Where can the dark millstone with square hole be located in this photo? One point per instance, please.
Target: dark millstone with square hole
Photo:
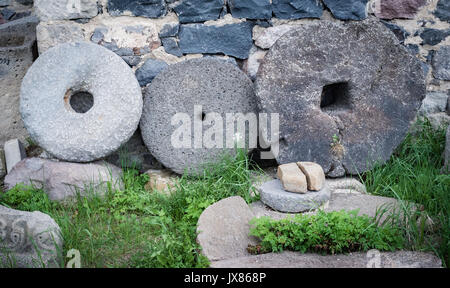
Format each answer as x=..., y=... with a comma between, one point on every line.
x=345, y=92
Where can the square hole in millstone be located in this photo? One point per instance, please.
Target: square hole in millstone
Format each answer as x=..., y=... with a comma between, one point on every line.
x=335, y=97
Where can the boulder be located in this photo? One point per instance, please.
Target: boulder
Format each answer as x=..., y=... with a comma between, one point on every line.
x=230, y=39
x=147, y=72
x=14, y=153
x=180, y=106
x=75, y=74
x=314, y=175
x=443, y=10
x=434, y=102
x=62, y=180
x=29, y=240
x=273, y=195
x=297, y=9
x=223, y=229
x=288, y=259
x=292, y=178
x=354, y=105
x=189, y=11
x=392, y=9
x=149, y=9
x=47, y=10
x=347, y=9
x=441, y=63
x=251, y=9
x=17, y=53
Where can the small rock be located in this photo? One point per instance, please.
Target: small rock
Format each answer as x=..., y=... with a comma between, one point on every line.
x=443, y=10
x=149, y=9
x=269, y=36
x=4, y=3
x=147, y=72
x=347, y=9
x=62, y=180
x=189, y=11
x=273, y=195
x=288, y=259
x=391, y=9
x=314, y=175
x=29, y=240
x=8, y=13
x=169, y=30
x=223, y=229
x=14, y=153
x=439, y=120
x=441, y=63
x=2, y=164
x=255, y=58
x=160, y=180
x=297, y=9
x=432, y=36
x=292, y=178
x=400, y=32
x=230, y=39
x=132, y=60
x=346, y=185
x=434, y=102
x=251, y=9
x=47, y=10
x=171, y=46
x=446, y=168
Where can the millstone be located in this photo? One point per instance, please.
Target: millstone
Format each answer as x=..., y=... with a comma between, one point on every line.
x=219, y=87
x=273, y=195
x=346, y=93
x=80, y=102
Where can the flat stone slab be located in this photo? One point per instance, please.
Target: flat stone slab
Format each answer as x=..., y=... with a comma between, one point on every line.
x=29, y=240
x=173, y=128
x=274, y=196
x=14, y=153
x=80, y=102
x=63, y=180
x=345, y=92
x=287, y=259
x=223, y=229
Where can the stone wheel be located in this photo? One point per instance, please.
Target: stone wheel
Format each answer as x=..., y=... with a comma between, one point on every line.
x=219, y=87
x=346, y=94
x=80, y=102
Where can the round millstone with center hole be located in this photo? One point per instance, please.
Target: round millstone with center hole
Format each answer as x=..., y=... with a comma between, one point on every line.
x=183, y=104
x=80, y=102
x=346, y=94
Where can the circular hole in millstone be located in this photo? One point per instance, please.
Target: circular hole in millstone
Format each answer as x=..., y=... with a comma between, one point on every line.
x=81, y=101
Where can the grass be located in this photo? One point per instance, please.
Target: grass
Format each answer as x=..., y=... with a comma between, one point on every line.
x=413, y=174
x=132, y=227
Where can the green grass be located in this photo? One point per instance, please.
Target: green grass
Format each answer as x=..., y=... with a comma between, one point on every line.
x=133, y=227
x=326, y=233
x=414, y=174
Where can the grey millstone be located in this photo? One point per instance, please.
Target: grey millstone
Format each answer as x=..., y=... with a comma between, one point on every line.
x=17, y=39
x=62, y=180
x=216, y=85
x=273, y=195
x=288, y=9
x=147, y=72
x=65, y=9
x=441, y=63
x=366, y=95
x=347, y=9
x=29, y=240
x=230, y=39
x=443, y=10
x=287, y=259
x=434, y=102
x=80, y=67
x=223, y=229
x=446, y=168
x=251, y=9
x=148, y=8
x=189, y=11
x=432, y=36
x=171, y=46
